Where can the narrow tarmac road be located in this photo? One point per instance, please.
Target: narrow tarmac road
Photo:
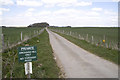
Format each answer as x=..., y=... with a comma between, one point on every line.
x=79, y=63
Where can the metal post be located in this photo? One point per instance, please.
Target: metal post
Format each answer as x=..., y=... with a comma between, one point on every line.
x=28, y=67
x=28, y=75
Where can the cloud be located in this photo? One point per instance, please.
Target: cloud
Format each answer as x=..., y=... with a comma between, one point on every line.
x=75, y=4
x=60, y=3
x=115, y=0
x=110, y=12
x=64, y=17
x=64, y=3
x=0, y=20
x=1, y=13
x=52, y=3
x=33, y=3
x=44, y=13
x=84, y=4
x=57, y=1
x=67, y=12
x=97, y=9
x=3, y=9
x=31, y=9
x=76, y=17
x=6, y=2
x=29, y=12
x=93, y=13
x=73, y=16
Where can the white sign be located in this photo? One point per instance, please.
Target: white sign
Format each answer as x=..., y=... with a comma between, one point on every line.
x=28, y=68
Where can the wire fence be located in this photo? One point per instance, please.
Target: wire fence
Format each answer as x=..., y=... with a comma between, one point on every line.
x=103, y=41
x=19, y=39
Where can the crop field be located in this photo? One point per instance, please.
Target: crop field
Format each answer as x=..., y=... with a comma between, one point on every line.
x=44, y=67
x=13, y=35
x=93, y=35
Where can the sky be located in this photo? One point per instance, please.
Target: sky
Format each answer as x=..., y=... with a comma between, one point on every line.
x=75, y=13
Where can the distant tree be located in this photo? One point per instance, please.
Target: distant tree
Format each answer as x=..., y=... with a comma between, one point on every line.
x=3, y=26
x=42, y=24
x=68, y=26
x=30, y=25
x=53, y=26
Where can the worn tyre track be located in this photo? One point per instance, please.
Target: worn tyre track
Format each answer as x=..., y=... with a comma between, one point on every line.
x=79, y=63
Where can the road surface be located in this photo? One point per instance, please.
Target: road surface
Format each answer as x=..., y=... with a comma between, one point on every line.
x=79, y=63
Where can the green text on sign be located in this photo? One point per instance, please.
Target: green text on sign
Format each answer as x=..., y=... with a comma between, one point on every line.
x=27, y=53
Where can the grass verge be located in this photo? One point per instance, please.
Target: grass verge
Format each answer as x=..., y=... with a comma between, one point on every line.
x=106, y=53
x=44, y=67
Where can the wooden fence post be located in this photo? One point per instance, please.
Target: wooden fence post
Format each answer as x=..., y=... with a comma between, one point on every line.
x=2, y=37
x=87, y=38
x=70, y=32
x=34, y=32
x=104, y=37
x=79, y=36
x=21, y=36
x=92, y=40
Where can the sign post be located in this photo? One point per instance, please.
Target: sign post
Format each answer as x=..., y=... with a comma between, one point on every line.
x=28, y=69
x=27, y=54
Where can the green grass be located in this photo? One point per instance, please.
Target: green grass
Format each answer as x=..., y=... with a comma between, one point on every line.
x=13, y=34
x=48, y=69
x=0, y=65
x=98, y=33
x=106, y=53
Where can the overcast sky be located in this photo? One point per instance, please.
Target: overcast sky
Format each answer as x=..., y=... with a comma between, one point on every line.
x=76, y=13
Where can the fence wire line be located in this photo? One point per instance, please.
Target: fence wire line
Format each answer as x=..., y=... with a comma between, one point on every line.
x=89, y=39
x=8, y=45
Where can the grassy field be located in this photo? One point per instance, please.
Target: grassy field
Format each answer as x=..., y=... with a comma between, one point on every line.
x=44, y=67
x=106, y=53
x=0, y=66
x=13, y=35
x=93, y=35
